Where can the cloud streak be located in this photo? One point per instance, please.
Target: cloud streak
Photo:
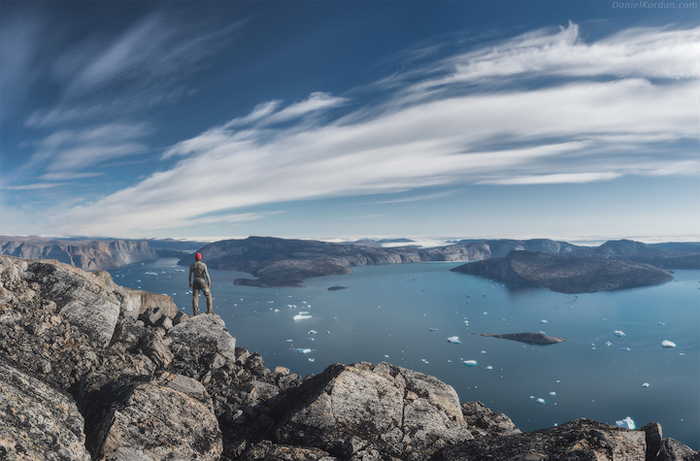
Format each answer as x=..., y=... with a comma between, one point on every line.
x=618, y=94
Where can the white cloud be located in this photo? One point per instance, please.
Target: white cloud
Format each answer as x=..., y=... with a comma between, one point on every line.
x=568, y=132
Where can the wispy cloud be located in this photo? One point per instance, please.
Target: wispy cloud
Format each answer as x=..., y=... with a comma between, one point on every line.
x=613, y=100
x=144, y=66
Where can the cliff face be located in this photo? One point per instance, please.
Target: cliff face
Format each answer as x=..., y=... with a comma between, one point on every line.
x=168, y=387
x=84, y=254
x=567, y=274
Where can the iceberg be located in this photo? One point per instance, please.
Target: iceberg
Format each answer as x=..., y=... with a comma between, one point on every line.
x=542, y=401
x=543, y=321
x=619, y=333
x=489, y=367
x=313, y=332
x=626, y=349
x=433, y=329
x=668, y=344
x=470, y=363
x=646, y=385
x=304, y=351
x=454, y=340
x=552, y=393
x=303, y=315
x=627, y=423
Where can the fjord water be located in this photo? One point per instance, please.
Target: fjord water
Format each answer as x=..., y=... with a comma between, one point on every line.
x=404, y=313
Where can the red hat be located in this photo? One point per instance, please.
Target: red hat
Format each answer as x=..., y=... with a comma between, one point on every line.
x=198, y=256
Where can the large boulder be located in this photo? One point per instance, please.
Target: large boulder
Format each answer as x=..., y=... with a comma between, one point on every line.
x=201, y=335
x=161, y=420
x=579, y=440
x=38, y=422
x=364, y=409
x=484, y=422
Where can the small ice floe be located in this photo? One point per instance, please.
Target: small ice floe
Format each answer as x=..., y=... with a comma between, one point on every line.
x=276, y=310
x=303, y=316
x=489, y=367
x=608, y=343
x=311, y=359
x=543, y=321
x=424, y=360
x=151, y=273
x=386, y=356
x=466, y=322
x=542, y=401
x=668, y=344
x=470, y=363
x=646, y=385
x=313, y=332
x=433, y=329
x=627, y=423
x=552, y=393
x=289, y=340
x=626, y=349
x=454, y=340
x=304, y=351
x=291, y=306
x=311, y=339
x=661, y=323
x=619, y=333
x=483, y=352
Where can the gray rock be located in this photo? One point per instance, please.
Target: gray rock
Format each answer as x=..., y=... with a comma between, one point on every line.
x=152, y=422
x=368, y=407
x=673, y=450
x=205, y=333
x=38, y=422
x=483, y=422
x=156, y=350
x=579, y=440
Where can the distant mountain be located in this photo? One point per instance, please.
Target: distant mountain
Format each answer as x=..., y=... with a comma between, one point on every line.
x=285, y=262
x=663, y=255
x=96, y=254
x=567, y=273
x=84, y=254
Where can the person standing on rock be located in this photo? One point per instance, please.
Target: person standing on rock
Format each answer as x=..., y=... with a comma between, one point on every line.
x=201, y=281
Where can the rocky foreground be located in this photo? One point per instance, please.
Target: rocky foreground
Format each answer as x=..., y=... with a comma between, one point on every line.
x=93, y=371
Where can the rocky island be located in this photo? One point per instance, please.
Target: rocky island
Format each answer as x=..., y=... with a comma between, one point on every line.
x=530, y=338
x=567, y=273
x=90, y=370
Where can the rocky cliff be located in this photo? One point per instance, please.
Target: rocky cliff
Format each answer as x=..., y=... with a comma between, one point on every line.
x=85, y=254
x=92, y=371
x=567, y=273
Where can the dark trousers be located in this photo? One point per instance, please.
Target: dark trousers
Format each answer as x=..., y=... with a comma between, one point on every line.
x=196, y=286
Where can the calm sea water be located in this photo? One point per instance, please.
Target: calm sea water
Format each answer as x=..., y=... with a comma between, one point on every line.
x=404, y=313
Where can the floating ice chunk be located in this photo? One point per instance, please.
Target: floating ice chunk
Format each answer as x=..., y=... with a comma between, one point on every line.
x=661, y=323
x=668, y=344
x=543, y=321
x=433, y=329
x=483, y=352
x=627, y=423
x=532, y=397
x=470, y=363
x=489, y=367
x=386, y=356
x=608, y=343
x=304, y=351
x=424, y=360
x=291, y=306
x=313, y=332
x=303, y=315
x=289, y=340
x=466, y=322
x=311, y=359
x=552, y=393
x=619, y=333
x=151, y=273
x=454, y=340
x=542, y=401
x=276, y=310
x=626, y=349
x=311, y=339
x=646, y=385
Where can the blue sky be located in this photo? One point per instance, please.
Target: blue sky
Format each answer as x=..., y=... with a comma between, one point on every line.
x=464, y=119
